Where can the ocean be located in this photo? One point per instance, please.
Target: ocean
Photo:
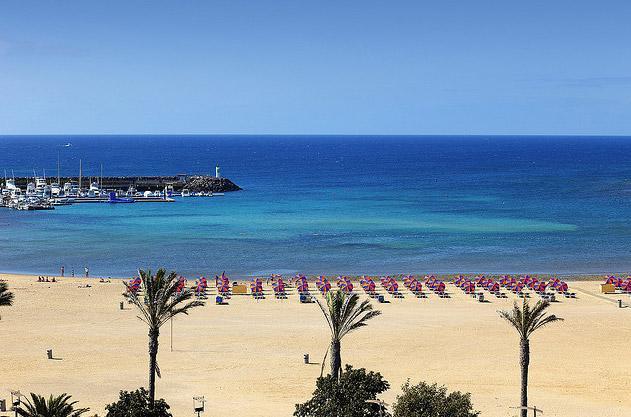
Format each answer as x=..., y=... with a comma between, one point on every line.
x=334, y=205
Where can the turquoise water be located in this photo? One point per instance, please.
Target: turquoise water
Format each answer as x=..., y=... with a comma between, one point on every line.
x=336, y=205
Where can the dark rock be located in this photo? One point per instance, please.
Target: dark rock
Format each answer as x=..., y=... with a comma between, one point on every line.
x=216, y=185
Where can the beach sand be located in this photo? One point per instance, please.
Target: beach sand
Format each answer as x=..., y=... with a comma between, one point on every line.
x=246, y=358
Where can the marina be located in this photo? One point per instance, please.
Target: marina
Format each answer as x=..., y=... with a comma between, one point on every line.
x=39, y=193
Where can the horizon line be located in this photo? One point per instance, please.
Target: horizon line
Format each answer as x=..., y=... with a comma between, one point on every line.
x=497, y=135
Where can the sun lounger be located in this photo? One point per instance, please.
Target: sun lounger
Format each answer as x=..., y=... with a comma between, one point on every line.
x=306, y=298
x=256, y=288
x=279, y=289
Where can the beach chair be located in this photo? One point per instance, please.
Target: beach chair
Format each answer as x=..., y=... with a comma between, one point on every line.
x=518, y=289
x=133, y=286
x=302, y=286
x=223, y=286
x=430, y=281
x=369, y=287
x=392, y=287
x=181, y=286
x=306, y=298
x=533, y=284
x=469, y=287
x=504, y=281
x=416, y=287
x=323, y=285
x=345, y=285
x=459, y=280
x=279, y=289
x=256, y=288
x=200, y=288
x=439, y=289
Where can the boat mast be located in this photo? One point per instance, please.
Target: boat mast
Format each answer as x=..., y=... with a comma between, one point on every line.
x=101, y=186
x=58, y=178
x=80, y=173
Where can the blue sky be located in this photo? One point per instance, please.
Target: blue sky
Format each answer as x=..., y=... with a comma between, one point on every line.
x=315, y=67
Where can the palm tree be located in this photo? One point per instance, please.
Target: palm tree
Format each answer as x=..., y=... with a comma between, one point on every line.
x=6, y=297
x=59, y=406
x=343, y=314
x=526, y=321
x=160, y=302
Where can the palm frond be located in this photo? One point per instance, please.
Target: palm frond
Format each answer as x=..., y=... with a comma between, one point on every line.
x=59, y=406
x=160, y=300
x=544, y=322
x=527, y=319
x=6, y=297
x=344, y=314
x=326, y=315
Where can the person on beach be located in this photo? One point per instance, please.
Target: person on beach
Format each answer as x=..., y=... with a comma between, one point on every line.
x=73, y=272
x=87, y=272
x=62, y=270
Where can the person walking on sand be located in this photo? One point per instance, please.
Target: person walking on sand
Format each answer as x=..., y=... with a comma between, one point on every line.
x=73, y=272
x=87, y=272
x=62, y=270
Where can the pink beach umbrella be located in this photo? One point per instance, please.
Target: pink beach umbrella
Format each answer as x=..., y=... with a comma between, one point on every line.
x=416, y=286
x=392, y=286
x=323, y=285
x=279, y=285
x=303, y=285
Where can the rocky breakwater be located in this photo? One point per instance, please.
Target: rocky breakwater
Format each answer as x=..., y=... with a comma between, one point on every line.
x=194, y=183
x=205, y=184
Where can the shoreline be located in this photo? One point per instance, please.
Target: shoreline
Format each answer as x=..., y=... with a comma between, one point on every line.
x=573, y=277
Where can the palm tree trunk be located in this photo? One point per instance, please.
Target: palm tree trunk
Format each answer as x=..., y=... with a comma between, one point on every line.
x=524, y=361
x=153, y=355
x=336, y=359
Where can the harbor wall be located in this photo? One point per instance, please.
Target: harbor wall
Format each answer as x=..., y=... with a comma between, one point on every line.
x=194, y=183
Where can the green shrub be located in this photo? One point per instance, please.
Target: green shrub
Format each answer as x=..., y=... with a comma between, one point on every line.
x=346, y=398
x=136, y=404
x=424, y=400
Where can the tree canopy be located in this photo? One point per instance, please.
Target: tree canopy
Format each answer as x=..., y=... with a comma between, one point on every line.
x=424, y=400
x=346, y=397
x=136, y=404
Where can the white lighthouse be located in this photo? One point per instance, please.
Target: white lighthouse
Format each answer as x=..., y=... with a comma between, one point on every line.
x=217, y=171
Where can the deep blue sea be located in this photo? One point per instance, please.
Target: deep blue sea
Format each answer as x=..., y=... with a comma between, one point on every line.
x=329, y=204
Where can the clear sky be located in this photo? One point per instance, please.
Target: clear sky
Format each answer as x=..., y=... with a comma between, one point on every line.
x=315, y=67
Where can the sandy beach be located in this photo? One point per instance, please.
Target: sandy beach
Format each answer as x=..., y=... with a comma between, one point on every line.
x=246, y=357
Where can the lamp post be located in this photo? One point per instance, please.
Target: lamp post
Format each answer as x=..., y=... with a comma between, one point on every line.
x=16, y=401
x=198, y=405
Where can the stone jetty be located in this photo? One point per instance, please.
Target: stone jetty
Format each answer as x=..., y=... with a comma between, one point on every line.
x=194, y=183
